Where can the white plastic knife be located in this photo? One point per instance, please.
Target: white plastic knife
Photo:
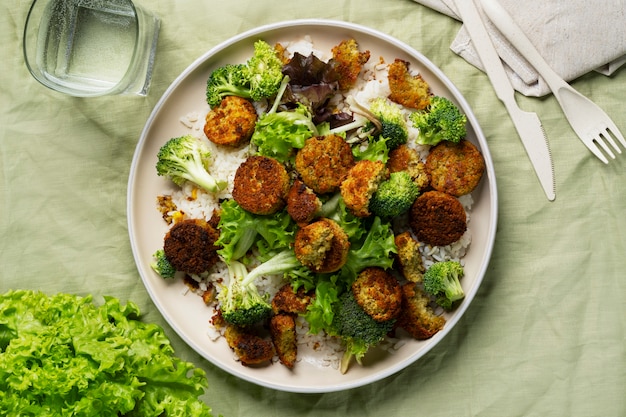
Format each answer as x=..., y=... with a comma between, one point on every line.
x=527, y=124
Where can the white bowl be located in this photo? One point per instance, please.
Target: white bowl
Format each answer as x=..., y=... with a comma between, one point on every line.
x=187, y=314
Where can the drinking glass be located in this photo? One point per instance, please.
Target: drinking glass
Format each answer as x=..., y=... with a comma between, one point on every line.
x=89, y=48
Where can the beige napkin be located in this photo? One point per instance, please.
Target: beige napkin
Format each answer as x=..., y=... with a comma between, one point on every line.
x=574, y=37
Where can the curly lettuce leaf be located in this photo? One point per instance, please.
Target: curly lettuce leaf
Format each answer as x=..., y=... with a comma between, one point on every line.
x=63, y=355
x=376, y=250
x=280, y=134
x=241, y=230
x=321, y=312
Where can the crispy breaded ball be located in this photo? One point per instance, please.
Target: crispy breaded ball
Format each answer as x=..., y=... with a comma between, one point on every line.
x=348, y=62
x=231, y=123
x=286, y=300
x=302, y=203
x=404, y=158
x=406, y=89
x=189, y=246
x=322, y=246
x=417, y=316
x=283, y=332
x=362, y=182
x=437, y=218
x=251, y=349
x=455, y=168
x=378, y=293
x=409, y=259
x=261, y=185
x=323, y=163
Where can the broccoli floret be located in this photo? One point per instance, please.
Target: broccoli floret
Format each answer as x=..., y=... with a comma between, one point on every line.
x=186, y=158
x=228, y=80
x=241, y=303
x=161, y=265
x=256, y=79
x=441, y=120
x=393, y=125
x=394, y=196
x=263, y=71
x=357, y=329
x=375, y=250
x=383, y=120
x=441, y=281
x=277, y=134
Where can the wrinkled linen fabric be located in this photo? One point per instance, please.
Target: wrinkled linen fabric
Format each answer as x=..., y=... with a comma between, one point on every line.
x=573, y=36
x=545, y=334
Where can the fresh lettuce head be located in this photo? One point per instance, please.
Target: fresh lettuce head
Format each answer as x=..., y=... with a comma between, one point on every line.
x=63, y=355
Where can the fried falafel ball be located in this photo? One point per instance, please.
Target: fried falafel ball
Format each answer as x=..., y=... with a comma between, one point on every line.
x=189, y=246
x=231, y=123
x=417, y=316
x=302, y=203
x=437, y=218
x=361, y=183
x=286, y=300
x=404, y=158
x=250, y=348
x=284, y=338
x=409, y=259
x=455, y=168
x=406, y=89
x=261, y=185
x=322, y=246
x=348, y=62
x=378, y=293
x=323, y=163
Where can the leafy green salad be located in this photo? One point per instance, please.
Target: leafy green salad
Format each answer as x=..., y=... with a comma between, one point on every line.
x=64, y=355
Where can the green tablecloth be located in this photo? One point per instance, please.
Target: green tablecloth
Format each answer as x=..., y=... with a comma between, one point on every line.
x=546, y=332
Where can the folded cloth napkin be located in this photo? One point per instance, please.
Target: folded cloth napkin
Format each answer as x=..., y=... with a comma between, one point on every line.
x=573, y=36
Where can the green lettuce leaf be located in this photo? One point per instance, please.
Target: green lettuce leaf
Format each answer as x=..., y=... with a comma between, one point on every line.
x=63, y=355
x=241, y=230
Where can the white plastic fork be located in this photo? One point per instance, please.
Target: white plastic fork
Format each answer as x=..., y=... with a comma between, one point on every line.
x=592, y=125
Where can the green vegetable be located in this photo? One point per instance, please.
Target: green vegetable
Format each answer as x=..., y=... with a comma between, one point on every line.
x=257, y=79
x=186, y=158
x=376, y=250
x=241, y=230
x=376, y=150
x=63, y=355
x=321, y=311
x=241, y=302
x=283, y=262
x=335, y=209
x=394, y=196
x=161, y=265
x=358, y=330
x=382, y=120
x=441, y=120
x=441, y=281
x=278, y=133
x=263, y=71
x=393, y=125
x=228, y=80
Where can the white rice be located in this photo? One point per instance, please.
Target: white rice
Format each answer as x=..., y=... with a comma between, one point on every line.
x=316, y=349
